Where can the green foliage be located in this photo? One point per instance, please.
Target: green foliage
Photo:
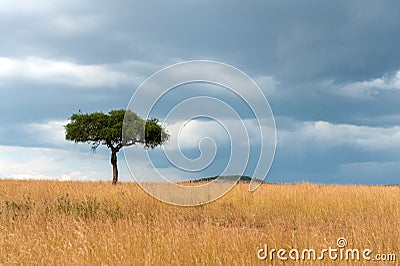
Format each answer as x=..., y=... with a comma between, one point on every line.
x=109, y=129
x=154, y=133
x=16, y=209
x=89, y=207
x=116, y=129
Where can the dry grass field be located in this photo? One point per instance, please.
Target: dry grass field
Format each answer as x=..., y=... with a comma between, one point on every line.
x=81, y=223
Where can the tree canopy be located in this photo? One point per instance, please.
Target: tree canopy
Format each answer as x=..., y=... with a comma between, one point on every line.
x=115, y=129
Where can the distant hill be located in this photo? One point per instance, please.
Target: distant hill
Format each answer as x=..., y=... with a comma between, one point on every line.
x=243, y=178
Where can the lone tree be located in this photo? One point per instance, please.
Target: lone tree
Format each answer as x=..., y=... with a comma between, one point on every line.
x=116, y=129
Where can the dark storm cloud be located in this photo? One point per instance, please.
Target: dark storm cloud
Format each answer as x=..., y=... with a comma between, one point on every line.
x=295, y=41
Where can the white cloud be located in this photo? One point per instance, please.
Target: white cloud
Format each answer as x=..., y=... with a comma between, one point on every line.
x=29, y=175
x=43, y=163
x=267, y=84
x=75, y=175
x=189, y=134
x=228, y=139
x=363, y=89
x=322, y=134
x=51, y=132
x=58, y=164
x=29, y=7
x=62, y=72
x=32, y=175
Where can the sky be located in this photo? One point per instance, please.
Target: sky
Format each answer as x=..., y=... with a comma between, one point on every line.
x=330, y=72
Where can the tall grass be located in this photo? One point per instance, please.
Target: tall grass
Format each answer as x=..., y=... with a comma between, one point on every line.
x=50, y=222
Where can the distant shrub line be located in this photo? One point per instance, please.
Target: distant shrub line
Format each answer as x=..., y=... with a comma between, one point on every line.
x=243, y=178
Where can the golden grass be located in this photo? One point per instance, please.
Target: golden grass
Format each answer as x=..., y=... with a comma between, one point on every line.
x=50, y=222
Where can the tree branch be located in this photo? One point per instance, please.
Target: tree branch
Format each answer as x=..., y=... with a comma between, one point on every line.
x=95, y=145
x=119, y=146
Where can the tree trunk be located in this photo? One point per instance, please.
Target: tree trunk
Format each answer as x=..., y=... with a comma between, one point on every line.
x=115, y=167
